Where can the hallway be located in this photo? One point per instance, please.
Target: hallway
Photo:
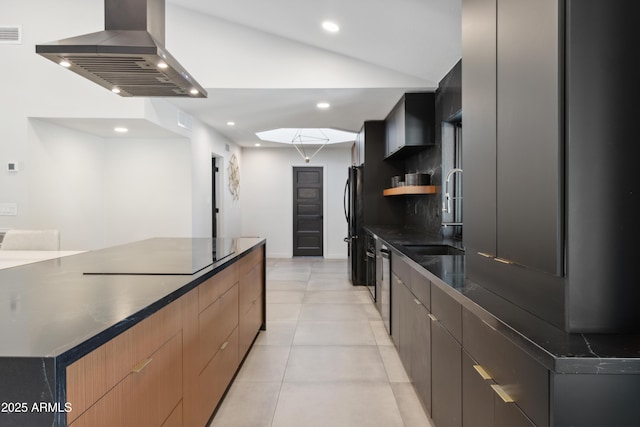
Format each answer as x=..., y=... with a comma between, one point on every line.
x=325, y=359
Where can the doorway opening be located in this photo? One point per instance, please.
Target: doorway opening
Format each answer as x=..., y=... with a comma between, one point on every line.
x=308, y=211
x=214, y=204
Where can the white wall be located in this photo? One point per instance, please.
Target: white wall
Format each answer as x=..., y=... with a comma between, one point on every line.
x=266, y=194
x=98, y=192
x=102, y=192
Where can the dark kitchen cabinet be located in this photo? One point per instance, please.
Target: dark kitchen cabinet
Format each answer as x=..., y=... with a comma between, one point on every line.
x=477, y=396
x=446, y=377
x=410, y=126
x=528, y=134
x=548, y=182
x=482, y=406
x=411, y=330
x=479, y=96
x=446, y=359
x=512, y=178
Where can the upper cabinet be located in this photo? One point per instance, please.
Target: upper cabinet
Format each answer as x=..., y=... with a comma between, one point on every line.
x=410, y=126
x=511, y=104
x=551, y=196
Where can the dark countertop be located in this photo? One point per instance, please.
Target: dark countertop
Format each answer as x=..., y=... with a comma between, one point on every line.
x=557, y=350
x=62, y=308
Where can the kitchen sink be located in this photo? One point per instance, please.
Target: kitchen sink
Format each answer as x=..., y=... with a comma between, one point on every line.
x=434, y=250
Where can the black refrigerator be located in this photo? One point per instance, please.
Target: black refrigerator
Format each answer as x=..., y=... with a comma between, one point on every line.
x=354, y=214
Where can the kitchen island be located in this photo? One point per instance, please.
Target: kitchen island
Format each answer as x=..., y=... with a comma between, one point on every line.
x=149, y=333
x=477, y=359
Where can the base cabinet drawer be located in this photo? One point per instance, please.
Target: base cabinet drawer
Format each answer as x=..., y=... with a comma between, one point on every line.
x=216, y=376
x=519, y=375
x=249, y=325
x=144, y=398
x=483, y=404
x=175, y=419
x=215, y=323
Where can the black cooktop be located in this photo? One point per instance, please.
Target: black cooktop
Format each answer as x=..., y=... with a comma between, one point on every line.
x=161, y=256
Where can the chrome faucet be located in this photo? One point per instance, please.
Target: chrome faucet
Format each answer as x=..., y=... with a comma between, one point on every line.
x=447, y=197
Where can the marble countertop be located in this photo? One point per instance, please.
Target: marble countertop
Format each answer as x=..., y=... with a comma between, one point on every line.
x=66, y=306
x=557, y=350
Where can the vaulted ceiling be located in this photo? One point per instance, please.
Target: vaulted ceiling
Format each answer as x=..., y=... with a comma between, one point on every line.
x=266, y=64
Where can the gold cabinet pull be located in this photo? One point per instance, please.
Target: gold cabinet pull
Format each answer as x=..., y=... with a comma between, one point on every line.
x=484, y=254
x=140, y=366
x=503, y=394
x=223, y=346
x=432, y=317
x=484, y=374
x=504, y=261
x=417, y=301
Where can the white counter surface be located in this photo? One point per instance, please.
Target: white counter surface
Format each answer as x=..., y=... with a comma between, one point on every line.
x=15, y=258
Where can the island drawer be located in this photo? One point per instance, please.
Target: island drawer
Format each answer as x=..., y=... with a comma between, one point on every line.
x=401, y=268
x=521, y=377
x=251, y=280
x=217, y=285
x=92, y=376
x=215, y=324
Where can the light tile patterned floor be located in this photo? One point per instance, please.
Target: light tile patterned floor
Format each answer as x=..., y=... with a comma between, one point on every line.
x=325, y=360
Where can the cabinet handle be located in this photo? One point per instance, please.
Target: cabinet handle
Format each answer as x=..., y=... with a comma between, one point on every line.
x=140, y=366
x=417, y=301
x=503, y=394
x=484, y=374
x=432, y=317
x=484, y=254
x=504, y=261
x=223, y=346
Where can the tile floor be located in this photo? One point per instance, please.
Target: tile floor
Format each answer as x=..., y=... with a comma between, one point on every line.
x=325, y=360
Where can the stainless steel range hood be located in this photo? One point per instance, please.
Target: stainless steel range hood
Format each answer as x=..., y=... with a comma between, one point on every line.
x=129, y=57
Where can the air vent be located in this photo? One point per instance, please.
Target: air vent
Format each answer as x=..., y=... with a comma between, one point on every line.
x=10, y=34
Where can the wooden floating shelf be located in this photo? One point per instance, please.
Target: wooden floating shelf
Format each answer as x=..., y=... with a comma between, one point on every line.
x=410, y=189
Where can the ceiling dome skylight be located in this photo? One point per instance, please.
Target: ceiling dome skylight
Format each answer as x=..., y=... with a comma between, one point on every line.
x=300, y=138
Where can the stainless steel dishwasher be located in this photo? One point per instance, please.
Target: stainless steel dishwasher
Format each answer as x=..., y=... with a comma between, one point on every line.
x=383, y=302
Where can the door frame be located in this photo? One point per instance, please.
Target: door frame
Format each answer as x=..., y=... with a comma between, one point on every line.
x=324, y=204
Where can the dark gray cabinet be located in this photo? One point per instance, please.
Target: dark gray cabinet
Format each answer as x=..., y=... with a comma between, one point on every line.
x=511, y=131
x=410, y=126
x=482, y=406
x=548, y=182
x=446, y=377
x=479, y=131
x=411, y=329
x=528, y=134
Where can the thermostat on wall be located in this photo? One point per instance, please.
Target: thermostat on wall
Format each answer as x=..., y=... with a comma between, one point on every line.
x=12, y=167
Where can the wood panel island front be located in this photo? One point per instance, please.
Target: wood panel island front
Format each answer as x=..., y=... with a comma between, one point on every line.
x=145, y=334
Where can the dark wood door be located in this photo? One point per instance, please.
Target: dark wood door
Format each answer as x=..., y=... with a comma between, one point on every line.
x=307, y=211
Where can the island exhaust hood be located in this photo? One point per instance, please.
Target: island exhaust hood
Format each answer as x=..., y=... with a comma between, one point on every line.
x=129, y=57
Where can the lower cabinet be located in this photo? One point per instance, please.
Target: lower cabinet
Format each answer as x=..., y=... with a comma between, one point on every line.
x=446, y=377
x=484, y=404
x=411, y=333
x=172, y=368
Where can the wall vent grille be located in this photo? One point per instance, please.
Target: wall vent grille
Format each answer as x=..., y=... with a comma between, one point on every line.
x=10, y=34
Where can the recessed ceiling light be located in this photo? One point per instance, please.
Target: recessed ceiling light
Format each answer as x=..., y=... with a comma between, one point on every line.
x=65, y=64
x=257, y=144
x=121, y=129
x=323, y=105
x=330, y=26
x=115, y=90
x=162, y=65
x=231, y=123
x=194, y=91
